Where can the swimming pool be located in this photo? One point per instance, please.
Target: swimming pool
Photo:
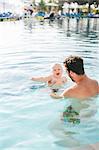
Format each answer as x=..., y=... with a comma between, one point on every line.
x=29, y=117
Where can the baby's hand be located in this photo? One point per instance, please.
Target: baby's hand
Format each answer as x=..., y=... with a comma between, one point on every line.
x=32, y=78
x=53, y=94
x=35, y=79
x=56, y=96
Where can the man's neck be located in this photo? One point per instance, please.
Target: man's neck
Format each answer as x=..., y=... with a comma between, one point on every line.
x=81, y=78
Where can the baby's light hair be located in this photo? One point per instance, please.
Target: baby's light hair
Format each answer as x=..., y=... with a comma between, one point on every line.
x=53, y=65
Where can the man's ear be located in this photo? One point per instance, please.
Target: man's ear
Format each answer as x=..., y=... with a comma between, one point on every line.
x=72, y=73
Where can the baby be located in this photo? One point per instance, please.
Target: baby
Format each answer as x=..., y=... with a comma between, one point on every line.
x=55, y=80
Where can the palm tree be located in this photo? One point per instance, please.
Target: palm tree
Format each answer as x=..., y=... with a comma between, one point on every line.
x=42, y=5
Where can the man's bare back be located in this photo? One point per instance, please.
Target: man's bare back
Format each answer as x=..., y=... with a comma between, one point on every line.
x=84, y=89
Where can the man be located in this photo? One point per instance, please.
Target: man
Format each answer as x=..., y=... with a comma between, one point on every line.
x=84, y=86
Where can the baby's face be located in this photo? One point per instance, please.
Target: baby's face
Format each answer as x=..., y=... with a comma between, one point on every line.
x=57, y=71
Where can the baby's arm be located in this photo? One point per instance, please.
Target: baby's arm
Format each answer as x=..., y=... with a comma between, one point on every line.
x=41, y=79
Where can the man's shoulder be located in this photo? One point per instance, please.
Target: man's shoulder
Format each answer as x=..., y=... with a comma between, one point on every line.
x=94, y=82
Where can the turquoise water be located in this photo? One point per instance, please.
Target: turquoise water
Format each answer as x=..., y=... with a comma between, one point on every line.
x=29, y=117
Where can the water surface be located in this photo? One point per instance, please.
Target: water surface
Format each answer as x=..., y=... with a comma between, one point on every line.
x=29, y=117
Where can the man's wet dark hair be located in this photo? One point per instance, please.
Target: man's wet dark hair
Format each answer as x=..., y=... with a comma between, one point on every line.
x=75, y=64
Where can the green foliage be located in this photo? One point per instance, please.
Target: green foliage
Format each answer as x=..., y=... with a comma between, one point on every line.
x=42, y=5
x=50, y=1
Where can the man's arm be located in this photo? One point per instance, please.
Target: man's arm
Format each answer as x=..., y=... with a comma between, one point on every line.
x=67, y=93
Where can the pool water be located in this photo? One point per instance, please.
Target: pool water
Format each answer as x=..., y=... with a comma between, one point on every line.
x=29, y=117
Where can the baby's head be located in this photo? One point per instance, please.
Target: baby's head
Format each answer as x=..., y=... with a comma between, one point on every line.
x=57, y=70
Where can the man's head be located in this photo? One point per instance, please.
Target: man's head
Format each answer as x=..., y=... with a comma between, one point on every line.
x=74, y=64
